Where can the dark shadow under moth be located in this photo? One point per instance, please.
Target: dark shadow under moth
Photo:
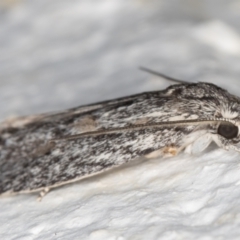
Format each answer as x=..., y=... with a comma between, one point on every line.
x=46, y=151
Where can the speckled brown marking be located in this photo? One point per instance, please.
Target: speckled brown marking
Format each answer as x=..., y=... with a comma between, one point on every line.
x=170, y=151
x=42, y=149
x=84, y=124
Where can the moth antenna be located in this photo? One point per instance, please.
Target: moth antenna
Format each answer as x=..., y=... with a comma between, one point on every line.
x=145, y=126
x=162, y=75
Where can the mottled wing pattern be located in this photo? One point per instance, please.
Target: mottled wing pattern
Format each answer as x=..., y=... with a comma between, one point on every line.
x=30, y=161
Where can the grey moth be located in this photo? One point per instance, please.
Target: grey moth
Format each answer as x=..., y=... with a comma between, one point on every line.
x=48, y=150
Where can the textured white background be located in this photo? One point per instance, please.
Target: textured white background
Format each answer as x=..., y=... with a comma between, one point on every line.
x=58, y=54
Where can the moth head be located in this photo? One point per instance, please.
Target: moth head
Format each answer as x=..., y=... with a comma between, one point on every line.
x=224, y=132
x=228, y=135
x=228, y=131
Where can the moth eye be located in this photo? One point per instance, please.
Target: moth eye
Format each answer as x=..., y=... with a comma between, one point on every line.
x=228, y=130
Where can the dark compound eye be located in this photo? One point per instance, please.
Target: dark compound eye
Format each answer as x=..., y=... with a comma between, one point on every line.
x=228, y=130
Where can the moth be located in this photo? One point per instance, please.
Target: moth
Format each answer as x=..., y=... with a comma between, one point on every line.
x=44, y=151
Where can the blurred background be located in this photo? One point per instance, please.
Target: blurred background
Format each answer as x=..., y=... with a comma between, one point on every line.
x=59, y=54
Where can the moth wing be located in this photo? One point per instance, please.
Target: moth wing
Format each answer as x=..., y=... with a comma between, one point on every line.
x=30, y=161
x=19, y=122
x=71, y=160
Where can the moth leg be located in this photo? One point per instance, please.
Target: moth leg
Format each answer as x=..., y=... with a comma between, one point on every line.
x=200, y=144
x=154, y=154
x=168, y=151
x=42, y=194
